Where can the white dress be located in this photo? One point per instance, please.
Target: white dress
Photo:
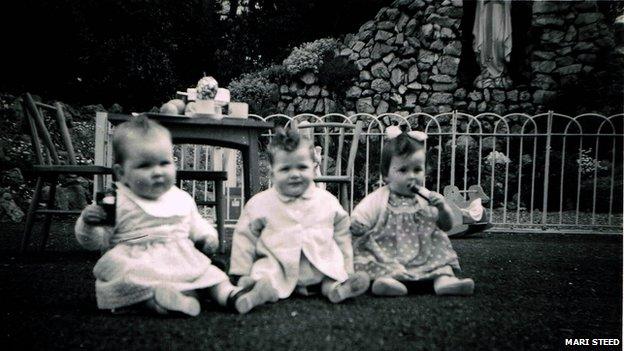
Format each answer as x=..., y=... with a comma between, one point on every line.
x=151, y=244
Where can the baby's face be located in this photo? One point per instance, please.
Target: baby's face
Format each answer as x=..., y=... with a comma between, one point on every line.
x=293, y=172
x=405, y=171
x=148, y=169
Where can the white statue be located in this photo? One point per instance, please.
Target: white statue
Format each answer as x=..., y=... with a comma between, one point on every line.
x=492, y=42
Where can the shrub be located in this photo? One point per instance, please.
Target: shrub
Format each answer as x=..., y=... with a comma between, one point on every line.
x=310, y=56
x=258, y=90
x=588, y=164
x=337, y=74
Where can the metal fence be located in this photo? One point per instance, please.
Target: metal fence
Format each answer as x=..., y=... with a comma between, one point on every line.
x=542, y=173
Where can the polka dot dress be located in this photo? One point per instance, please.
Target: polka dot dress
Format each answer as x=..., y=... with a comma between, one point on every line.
x=408, y=247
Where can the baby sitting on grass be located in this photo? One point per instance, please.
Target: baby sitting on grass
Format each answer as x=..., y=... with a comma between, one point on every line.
x=399, y=228
x=294, y=234
x=150, y=260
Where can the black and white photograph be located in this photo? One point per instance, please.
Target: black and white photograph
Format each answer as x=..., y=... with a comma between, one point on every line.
x=312, y=175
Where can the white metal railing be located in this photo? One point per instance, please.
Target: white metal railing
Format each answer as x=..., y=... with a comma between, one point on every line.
x=542, y=173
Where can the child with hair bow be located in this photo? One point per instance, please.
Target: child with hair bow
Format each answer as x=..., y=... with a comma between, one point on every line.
x=399, y=229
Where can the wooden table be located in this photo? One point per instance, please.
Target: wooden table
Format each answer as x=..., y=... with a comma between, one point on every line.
x=235, y=133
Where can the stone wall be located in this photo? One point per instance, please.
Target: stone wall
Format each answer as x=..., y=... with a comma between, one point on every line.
x=570, y=37
x=304, y=94
x=408, y=57
x=409, y=54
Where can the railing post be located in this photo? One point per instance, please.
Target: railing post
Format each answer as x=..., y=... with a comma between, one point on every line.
x=547, y=166
x=453, y=146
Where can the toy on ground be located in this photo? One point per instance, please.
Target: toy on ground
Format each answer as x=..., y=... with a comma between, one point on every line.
x=470, y=214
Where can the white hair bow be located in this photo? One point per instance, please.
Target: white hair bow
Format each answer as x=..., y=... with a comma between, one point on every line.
x=394, y=131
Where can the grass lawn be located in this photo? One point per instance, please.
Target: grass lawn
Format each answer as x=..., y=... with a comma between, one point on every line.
x=532, y=292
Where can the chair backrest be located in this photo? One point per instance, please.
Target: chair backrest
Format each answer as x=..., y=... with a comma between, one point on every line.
x=325, y=131
x=46, y=152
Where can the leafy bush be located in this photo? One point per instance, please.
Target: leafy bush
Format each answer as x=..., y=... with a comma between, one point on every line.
x=310, y=56
x=258, y=90
x=276, y=74
x=337, y=74
x=588, y=164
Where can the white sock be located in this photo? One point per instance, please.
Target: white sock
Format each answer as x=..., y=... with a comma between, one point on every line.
x=222, y=291
x=451, y=285
x=328, y=285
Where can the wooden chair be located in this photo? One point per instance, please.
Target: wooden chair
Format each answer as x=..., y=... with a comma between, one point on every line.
x=344, y=179
x=51, y=163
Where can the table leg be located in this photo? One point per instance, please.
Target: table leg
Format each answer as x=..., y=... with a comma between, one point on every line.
x=254, y=165
x=251, y=166
x=246, y=174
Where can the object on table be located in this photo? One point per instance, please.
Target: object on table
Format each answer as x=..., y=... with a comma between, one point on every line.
x=207, y=88
x=173, y=107
x=191, y=108
x=208, y=108
x=222, y=99
x=191, y=94
x=179, y=104
x=238, y=110
x=210, y=98
x=168, y=109
x=207, y=100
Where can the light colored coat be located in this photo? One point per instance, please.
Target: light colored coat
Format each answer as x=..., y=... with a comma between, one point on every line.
x=274, y=231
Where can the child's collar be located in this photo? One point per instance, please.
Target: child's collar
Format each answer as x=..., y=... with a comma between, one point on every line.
x=307, y=194
x=172, y=203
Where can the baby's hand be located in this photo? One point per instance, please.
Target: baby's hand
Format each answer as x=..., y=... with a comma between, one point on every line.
x=93, y=214
x=210, y=247
x=437, y=200
x=358, y=228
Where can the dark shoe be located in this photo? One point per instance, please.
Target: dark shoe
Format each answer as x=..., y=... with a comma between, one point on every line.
x=252, y=296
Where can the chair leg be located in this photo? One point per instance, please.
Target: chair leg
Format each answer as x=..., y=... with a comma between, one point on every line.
x=30, y=216
x=344, y=198
x=48, y=217
x=219, y=211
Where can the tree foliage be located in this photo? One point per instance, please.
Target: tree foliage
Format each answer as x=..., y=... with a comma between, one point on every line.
x=139, y=52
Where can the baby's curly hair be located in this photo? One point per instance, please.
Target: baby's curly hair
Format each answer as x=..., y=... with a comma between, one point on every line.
x=137, y=127
x=288, y=140
x=403, y=145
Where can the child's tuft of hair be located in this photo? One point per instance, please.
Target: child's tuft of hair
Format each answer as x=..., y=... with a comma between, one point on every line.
x=140, y=122
x=286, y=140
x=402, y=145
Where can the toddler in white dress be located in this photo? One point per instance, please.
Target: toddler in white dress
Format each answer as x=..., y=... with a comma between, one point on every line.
x=150, y=257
